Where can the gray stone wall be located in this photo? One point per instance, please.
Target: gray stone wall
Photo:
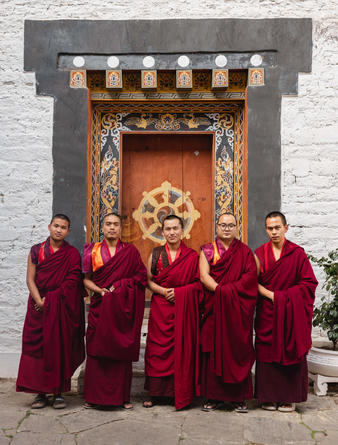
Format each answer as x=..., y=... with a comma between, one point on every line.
x=309, y=134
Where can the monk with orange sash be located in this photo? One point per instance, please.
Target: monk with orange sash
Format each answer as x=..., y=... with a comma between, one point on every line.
x=115, y=273
x=284, y=318
x=172, y=350
x=228, y=271
x=53, y=333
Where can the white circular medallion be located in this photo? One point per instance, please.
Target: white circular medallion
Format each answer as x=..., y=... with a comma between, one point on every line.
x=78, y=61
x=221, y=61
x=183, y=61
x=148, y=61
x=113, y=61
x=256, y=60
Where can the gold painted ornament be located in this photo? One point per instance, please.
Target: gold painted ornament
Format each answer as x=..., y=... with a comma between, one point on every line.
x=161, y=202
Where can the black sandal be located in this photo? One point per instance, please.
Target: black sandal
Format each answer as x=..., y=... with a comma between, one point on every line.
x=58, y=402
x=212, y=405
x=124, y=406
x=149, y=403
x=88, y=405
x=240, y=407
x=39, y=402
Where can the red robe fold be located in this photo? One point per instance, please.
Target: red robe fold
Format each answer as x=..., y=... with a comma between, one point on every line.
x=115, y=320
x=114, y=327
x=228, y=314
x=283, y=327
x=53, y=339
x=173, y=330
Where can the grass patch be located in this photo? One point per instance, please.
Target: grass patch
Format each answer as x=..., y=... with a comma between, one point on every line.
x=314, y=432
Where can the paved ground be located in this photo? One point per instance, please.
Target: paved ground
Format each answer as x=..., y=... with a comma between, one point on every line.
x=315, y=422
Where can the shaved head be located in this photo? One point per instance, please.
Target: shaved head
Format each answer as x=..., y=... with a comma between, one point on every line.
x=170, y=217
x=226, y=213
x=276, y=214
x=112, y=214
x=61, y=216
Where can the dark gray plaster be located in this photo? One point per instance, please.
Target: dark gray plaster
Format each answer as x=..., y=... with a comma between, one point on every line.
x=45, y=41
x=167, y=61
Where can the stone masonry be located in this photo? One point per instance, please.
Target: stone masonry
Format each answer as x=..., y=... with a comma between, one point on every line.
x=309, y=134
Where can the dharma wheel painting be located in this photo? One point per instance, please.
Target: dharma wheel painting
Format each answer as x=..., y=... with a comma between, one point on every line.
x=161, y=202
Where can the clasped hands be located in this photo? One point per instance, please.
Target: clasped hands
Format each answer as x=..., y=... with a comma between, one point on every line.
x=169, y=294
x=105, y=290
x=266, y=292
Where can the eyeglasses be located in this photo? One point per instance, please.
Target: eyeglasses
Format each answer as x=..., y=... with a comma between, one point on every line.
x=227, y=226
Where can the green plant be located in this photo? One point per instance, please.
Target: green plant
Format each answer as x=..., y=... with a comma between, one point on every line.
x=326, y=315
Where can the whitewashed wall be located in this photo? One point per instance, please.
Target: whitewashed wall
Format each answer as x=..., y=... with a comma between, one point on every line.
x=309, y=134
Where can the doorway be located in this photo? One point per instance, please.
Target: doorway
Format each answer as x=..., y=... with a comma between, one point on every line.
x=149, y=138
x=164, y=174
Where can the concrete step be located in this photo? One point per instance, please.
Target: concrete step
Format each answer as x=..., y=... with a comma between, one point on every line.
x=137, y=382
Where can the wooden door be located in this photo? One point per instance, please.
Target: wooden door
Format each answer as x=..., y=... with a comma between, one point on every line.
x=162, y=174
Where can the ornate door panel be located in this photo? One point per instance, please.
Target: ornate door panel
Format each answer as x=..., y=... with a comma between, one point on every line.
x=192, y=146
x=164, y=174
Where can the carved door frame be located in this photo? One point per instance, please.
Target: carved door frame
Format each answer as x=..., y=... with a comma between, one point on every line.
x=225, y=121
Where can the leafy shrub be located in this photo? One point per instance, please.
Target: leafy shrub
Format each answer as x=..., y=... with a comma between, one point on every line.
x=326, y=315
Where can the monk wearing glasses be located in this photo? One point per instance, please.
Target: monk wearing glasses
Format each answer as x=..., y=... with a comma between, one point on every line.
x=228, y=272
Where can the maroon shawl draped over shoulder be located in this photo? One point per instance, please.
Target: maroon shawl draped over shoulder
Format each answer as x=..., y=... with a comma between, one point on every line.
x=173, y=332
x=56, y=334
x=115, y=320
x=283, y=327
x=229, y=313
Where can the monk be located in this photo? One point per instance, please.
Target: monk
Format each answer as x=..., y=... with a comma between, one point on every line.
x=228, y=272
x=53, y=333
x=284, y=318
x=114, y=272
x=172, y=350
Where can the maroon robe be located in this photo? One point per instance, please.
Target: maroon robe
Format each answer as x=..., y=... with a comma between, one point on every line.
x=53, y=339
x=283, y=327
x=114, y=327
x=227, y=324
x=173, y=330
